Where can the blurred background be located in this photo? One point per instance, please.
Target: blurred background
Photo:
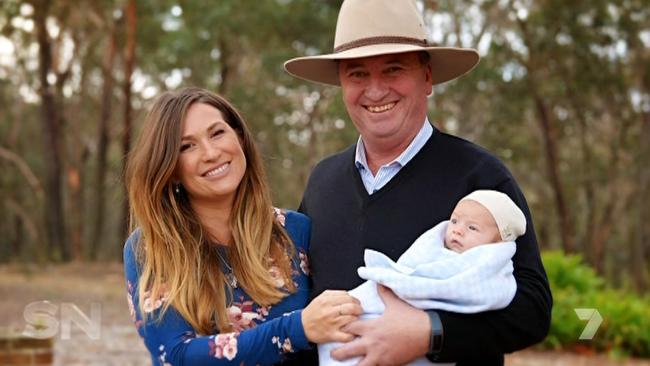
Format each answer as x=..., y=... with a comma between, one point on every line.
x=561, y=95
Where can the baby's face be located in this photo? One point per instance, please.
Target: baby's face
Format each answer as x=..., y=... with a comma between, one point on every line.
x=470, y=225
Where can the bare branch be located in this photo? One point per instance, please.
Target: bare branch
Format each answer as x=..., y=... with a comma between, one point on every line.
x=30, y=226
x=24, y=170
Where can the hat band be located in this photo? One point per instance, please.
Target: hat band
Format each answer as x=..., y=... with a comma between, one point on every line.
x=380, y=40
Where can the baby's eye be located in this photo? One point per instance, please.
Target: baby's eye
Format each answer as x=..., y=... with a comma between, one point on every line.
x=453, y=221
x=473, y=227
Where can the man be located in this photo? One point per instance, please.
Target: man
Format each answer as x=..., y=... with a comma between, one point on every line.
x=402, y=177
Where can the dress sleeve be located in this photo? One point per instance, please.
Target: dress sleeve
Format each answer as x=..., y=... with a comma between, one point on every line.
x=172, y=341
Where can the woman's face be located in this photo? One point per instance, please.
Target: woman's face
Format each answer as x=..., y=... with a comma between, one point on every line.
x=211, y=163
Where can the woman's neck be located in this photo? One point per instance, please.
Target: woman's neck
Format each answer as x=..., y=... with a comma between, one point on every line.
x=215, y=220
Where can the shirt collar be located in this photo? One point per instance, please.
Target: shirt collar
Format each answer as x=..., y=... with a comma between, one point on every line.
x=414, y=147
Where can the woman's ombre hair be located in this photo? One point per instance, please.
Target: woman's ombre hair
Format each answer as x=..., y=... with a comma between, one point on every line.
x=177, y=261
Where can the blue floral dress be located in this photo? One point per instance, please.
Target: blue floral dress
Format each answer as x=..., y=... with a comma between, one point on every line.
x=261, y=336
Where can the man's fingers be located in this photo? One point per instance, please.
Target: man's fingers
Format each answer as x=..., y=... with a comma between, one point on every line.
x=386, y=294
x=356, y=327
x=343, y=337
x=351, y=349
x=367, y=361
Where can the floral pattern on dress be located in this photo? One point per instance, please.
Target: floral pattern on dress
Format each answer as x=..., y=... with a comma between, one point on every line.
x=263, y=312
x=150, y=304
x=163, y=356
x=280, y=215
x=224, y=345
x=284, y=346
x=276, y=277
x=304, y=261
x=242, y=314
x=129, y=300
x=188, y=336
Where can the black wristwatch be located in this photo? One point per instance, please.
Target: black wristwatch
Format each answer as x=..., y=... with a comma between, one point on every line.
x=435, y=338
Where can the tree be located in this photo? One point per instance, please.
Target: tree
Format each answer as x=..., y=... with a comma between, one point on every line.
x=129, y=64
x=54, y=218
x=107, y=96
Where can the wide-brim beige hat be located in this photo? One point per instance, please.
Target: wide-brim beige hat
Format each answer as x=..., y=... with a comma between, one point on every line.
x=381, y=27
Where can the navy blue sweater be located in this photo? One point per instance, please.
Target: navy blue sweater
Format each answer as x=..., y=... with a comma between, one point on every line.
x=346, y=220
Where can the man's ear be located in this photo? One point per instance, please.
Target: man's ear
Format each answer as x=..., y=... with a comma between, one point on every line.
x=428, y=75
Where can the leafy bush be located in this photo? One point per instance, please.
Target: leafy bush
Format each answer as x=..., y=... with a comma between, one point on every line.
x=625, y=329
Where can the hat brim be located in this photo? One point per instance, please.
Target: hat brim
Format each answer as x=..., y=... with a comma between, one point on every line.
x=447, y=63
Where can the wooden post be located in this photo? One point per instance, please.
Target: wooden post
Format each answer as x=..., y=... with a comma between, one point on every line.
x=19, y=350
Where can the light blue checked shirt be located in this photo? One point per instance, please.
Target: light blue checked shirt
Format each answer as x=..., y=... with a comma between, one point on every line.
x=386, y=172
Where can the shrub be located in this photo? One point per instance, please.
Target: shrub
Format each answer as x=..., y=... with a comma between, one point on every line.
x=625, y=329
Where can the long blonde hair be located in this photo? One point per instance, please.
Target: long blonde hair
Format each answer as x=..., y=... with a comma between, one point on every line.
x=177, y=260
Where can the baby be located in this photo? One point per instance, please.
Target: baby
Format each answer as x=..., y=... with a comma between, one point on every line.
x=483, y=217
x=449, y=267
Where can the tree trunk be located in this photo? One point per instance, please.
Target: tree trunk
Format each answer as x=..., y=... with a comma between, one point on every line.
x=611, y=198
x=16, y=243
x=230, y=60
x=592, y=249
x=54, y=219
x=100, y=175
x=641, y=250
x=73, y=162
x=549, y=133
x=75, y=185
x=550, y=136
x=129, y=63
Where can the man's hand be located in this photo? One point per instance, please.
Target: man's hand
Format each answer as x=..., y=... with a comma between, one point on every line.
x=397, y=337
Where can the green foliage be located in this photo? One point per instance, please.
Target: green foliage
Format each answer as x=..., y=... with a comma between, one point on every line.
x=626, y=316
x=567, y=272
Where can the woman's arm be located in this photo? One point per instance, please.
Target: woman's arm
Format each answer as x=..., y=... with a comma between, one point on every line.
x=173, y=341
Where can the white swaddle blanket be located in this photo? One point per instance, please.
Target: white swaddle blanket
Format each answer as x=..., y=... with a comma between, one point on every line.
x=429, y=276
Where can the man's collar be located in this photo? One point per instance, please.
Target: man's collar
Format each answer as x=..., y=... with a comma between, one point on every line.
x=416, y=144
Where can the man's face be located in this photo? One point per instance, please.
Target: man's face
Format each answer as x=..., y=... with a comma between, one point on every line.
x=386, y=96
x=470, y=225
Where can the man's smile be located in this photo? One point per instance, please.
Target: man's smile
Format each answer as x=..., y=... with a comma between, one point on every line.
x=381, y=108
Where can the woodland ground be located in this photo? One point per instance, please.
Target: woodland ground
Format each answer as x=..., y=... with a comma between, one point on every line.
x=119, y=345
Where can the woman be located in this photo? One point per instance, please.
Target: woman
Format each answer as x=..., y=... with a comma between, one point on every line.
x=215, y=274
